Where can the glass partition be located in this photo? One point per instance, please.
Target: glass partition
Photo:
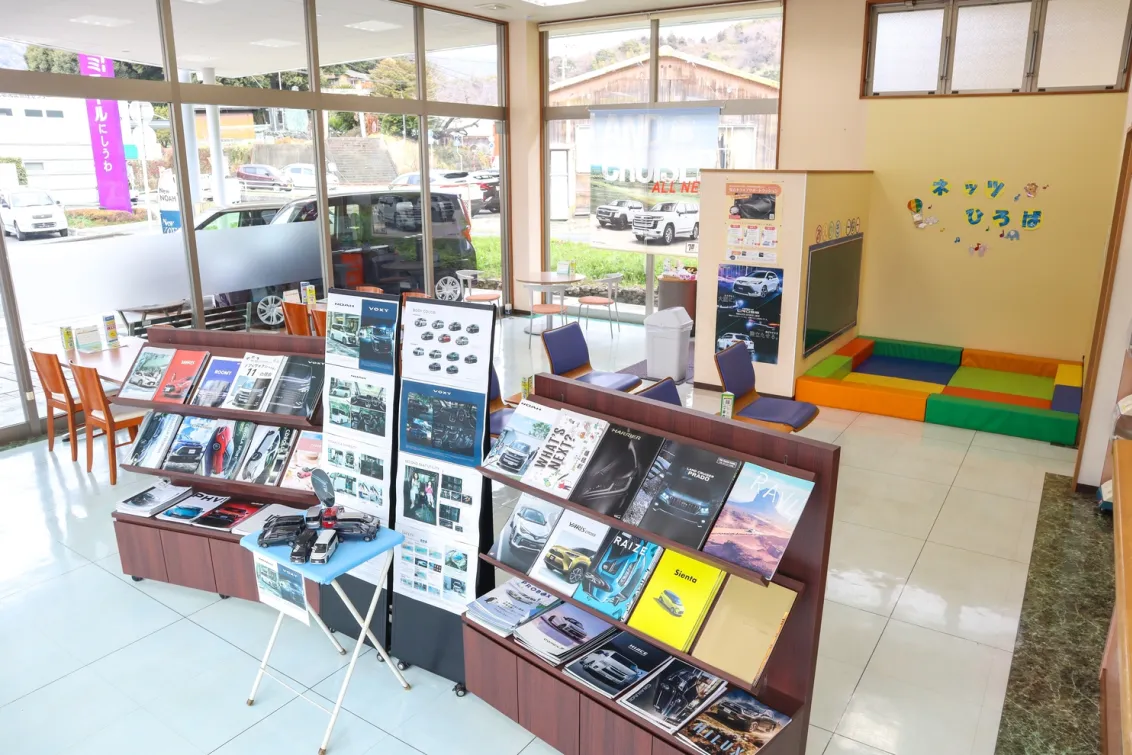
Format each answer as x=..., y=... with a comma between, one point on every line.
x=461, y=59
x=367, y=49
x=607, y=67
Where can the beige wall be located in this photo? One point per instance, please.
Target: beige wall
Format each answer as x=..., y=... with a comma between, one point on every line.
x=526, y=155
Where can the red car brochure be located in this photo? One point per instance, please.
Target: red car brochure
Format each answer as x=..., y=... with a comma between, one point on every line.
x=181, y=376
x=227, y=515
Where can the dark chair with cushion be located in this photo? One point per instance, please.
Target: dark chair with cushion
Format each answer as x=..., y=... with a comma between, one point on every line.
x=664, y=391
x=737, y=374
x=499, y=414
x=570, y=358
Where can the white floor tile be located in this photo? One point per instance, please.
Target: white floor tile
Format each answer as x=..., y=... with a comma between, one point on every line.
x=840, y=745
x=834, y=683
x=470, y=727
x=888, y=502
x=816, y=740
x=868, y=568
x=965, y=594
x=538, y=747
x=184, y=600
x=914, y=429
x=840, y=417
x=1005, y=473
x=1025, y=446
x=39, y=661
x=376, y=696
x=849, y=634
x=884, y=451
x=137, y=733
x=987, y=523
x=826, y=432
x=986, y=735
x=33, y=557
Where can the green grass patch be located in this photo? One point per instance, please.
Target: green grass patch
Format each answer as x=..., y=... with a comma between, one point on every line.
x=590, y=262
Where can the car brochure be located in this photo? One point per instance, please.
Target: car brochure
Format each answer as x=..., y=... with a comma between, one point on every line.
x=213, y=386
x=254, y=382
x=187, y=451
x=146, y=373
x=689, y=495
x=304, y=460
x=677, y=596
x=520, y=439
x=613, y=475
x=506, y=607
x=181, y=376
x=758, y=519
x=526, y=532
x=561, y=633
x=616, y=664
x=299, y=387
x=740, y=633
x=559, y=462
x=155, y=435
x=618, y=574
x=227, y=515
x=267, y=455
x=193, y=507
x=226, y=449
x=673, y=694
x=568, y=553
x=735, y=723
x=255, y=522
x=154, y=500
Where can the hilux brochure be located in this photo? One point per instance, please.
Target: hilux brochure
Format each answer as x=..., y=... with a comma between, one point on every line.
x=565, y=453
x=254, y=382
x=734, y=723
x=562, y=564
x=673, y=694
x=521, y=439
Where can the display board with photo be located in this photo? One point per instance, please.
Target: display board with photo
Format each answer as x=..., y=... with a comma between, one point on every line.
x=447, y=345
x=749, y=310
x=281, y=588
x=357, y=405
x=440, y=494
x=442, y=423
x=434, y=567
x=343, y=321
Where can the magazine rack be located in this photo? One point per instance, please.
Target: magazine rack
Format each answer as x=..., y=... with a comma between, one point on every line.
x=196, y=557
x=578, y=721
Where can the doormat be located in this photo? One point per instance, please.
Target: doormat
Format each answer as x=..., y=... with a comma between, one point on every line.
x=1053, y=696
x=640, y=369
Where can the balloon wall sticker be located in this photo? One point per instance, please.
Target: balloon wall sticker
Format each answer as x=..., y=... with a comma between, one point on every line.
x=916, y=207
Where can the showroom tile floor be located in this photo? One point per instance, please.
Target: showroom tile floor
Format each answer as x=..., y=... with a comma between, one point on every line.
x=927, y=572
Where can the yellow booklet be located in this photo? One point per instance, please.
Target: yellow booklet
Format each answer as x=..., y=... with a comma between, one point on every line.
x=743, y=626
x=677, y=597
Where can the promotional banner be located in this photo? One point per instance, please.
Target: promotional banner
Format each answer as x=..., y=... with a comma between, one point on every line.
x=645, y=175
x=749, y=310
x=106, y=140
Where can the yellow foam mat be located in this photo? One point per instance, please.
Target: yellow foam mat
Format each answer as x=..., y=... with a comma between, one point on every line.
x=892, y=382
x=1068, y=374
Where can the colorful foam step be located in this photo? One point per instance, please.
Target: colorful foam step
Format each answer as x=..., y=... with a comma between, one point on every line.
x=860, y=397
x=1002, y=398
x=1066, y=398
x=859, y=349
x=1003, y=362
x=1003, y=419
x=909, y=369
x=893, y=382
x=927, y=352
x=834, y=367
x=1069, y=374
x=997, y=381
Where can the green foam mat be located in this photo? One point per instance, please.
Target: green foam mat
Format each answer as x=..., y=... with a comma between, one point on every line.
x=1004, y=419
x=1014, y=383
x=835, y=367
x=927, y=352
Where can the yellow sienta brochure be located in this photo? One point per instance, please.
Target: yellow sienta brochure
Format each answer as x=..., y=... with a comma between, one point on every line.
x=676, y=598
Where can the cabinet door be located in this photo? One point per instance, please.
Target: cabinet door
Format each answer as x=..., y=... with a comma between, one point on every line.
x=140, y=551
x=490, y=673
x=604, y=732
x=188, y=560
x=548, y=708
x=660, y=747
x=233, y=569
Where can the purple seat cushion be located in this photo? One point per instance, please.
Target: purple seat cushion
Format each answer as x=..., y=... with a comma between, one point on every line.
x=736, y=370
x=566, y=348
x=794, y=414
x=1066, y=398
x=614, y=381
x=499, y=420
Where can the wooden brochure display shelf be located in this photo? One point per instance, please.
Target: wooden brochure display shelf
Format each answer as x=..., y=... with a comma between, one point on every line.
x=577, y=720
x=196, y=557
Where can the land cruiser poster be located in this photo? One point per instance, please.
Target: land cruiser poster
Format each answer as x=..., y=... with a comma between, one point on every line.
x=748, y=310
x=645, y=174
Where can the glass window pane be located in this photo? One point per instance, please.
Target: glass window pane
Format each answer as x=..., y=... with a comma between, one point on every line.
x=124, y=32
x=748, y=142
x=990, y=46
x=738, y=58
x=242, y=44
x=367, y=48
x=599, y=68
x=1082, y=43
x=462, y=59
x=907, y=48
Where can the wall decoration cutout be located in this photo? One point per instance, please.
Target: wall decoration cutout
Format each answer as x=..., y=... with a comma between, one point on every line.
x=994, y=188
x=853, y=226
x=979, y=249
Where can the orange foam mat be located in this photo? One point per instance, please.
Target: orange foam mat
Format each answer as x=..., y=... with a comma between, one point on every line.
x=997, y=360
x=861, y=397
x=1002, y=398
x=859, y=349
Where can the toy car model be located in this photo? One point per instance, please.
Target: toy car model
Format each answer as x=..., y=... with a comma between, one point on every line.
x=612, y=668
x=671, y=602
x=420, y=322
x=435, y=354
x=470, y=359
x=569, y=562
x=473, y=329
x=426, y=336
x=434, y=367
x=418, y=352
x=462, y=341
x=324, y=546
x=301, y=549
x=454, y=326
x=348, y=522
x=444, y=338
x=437, y=324
x=453, y=356
x=568, y=626
x=219, y=453
x=281, y=529
x=452, y=369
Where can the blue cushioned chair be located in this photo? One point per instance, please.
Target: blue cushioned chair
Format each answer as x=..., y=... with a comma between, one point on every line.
x=570, y=358
x=499, y=414
x=737, y=374
x=664, y=391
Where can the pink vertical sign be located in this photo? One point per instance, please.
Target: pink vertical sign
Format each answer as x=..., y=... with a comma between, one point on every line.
x=106, y=140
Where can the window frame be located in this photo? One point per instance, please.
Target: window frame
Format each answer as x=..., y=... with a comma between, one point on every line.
x=944, y=82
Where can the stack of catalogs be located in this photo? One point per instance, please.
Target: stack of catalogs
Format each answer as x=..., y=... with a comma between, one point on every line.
x=506, y=607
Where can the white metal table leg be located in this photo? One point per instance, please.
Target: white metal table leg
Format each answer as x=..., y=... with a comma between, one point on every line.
x=266, y=655
x=369, y=633
x=326, y=630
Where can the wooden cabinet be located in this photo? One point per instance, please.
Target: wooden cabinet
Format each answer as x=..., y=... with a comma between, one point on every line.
x=188, y=560
x=603, y=732
x=491, y=673
x=141, y=552
x=233, y=570
x=549, y=709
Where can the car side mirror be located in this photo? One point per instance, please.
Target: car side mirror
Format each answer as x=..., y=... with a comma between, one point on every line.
x=59, y=202
x=323, y=487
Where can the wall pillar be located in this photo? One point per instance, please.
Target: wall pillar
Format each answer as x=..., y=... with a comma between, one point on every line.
x=215, y=148
x=525, y=89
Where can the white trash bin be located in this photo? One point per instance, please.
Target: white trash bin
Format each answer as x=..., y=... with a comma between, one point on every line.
x=667, y=335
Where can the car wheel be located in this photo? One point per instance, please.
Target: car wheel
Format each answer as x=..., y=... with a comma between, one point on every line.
x=20, y=235
x=63, y=233
x=601, y=224
x=575, y=575
x=669, y=234
x=448, y=289
x=639, y=237
x=269, y=310
x=695, y=231
x=763, y=292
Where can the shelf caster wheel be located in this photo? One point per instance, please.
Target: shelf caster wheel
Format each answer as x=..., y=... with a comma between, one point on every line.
x=460, y=690
x=379, y=658
x=225, y=597
x=402, y=666
x=136, y=579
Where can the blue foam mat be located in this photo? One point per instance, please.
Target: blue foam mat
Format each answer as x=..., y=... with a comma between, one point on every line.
x=909, y=369
x=1066, y=398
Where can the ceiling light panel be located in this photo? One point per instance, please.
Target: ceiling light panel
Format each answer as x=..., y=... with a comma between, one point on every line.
x=105, y=21
x=272, y=42
x=373, y=26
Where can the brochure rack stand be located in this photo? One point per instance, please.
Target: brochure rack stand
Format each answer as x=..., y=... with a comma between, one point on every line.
x=573, y=718
x=196, y=557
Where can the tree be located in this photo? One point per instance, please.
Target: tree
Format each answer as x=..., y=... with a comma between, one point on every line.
x=342, y=122
x=631, y=48
x=396, y=77
x=603, y=58
x=50, y=60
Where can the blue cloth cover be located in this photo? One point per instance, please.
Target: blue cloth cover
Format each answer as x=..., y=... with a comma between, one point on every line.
x=351, y=552
x=614, y=381
x=795, y=414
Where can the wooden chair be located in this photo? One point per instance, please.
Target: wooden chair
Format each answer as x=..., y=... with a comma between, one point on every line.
x=296, y=319
x=319, y=317
x=737, y=375
x=370, y=289
x=102, y=415
x=58, y=395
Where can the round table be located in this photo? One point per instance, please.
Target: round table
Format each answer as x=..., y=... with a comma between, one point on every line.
x=553, y=281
